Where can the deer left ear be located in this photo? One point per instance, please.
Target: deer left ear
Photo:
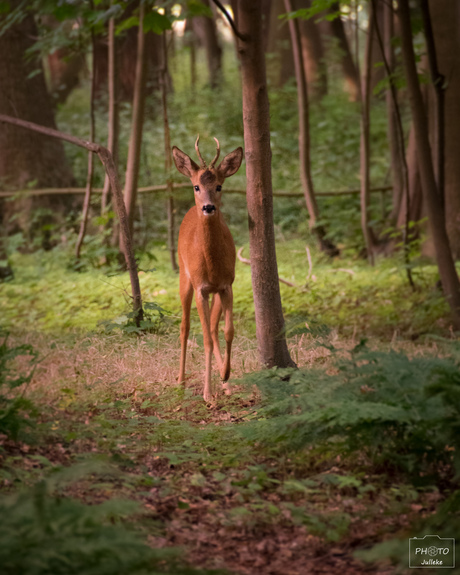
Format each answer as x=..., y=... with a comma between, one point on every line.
x=231, y=163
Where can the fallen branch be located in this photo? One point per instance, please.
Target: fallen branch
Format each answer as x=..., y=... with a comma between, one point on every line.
x=247, y=262
x=164, y=188
x=107, y=160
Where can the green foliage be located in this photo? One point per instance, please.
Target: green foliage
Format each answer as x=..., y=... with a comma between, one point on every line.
x=153, y=322
x=15, y=409
x=42, y=534
x=402, y=413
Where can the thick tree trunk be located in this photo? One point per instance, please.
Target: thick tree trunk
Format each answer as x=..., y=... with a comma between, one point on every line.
x=256, y=117
x=206, y=30
x=348, y=65
x=436, y=217
x=65, y=69
x=304, y=136
x=23, y=156
x=137, y=121
x=445, y=19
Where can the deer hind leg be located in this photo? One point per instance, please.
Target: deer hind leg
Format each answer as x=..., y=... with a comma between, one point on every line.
x=227, y=306
x=202, y=303
x=186, y=296
x=216, y=312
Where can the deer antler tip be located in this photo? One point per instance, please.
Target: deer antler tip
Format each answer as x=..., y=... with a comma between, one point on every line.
x=203, y=163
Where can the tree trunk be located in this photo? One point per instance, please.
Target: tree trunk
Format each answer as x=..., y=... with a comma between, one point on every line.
x=445, y=19
x=168, y=160
x=23, y=156
x=348, y=65
x=278, y=46
x=270, y=326
x=436, y=216
x=396, y=153
x=377, y=74
x=312, y=53
x=113, y=116
x=304, y=137
x=206, y=30
x=365, y=143
x=89, y=177
x=137, y=121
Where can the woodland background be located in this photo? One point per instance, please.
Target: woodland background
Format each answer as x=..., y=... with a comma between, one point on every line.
x=106, y=464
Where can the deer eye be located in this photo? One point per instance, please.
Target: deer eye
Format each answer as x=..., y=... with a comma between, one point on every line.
x=219, y=188
x=197, y=188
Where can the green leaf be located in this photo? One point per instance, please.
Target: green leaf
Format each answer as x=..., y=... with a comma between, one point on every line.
x=156, y=22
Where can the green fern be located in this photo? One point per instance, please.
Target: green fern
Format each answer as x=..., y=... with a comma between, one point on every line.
x=400, y=412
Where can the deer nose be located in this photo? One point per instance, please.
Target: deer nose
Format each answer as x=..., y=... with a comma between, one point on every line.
x=208, y=209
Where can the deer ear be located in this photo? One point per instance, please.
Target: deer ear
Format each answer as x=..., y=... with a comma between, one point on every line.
x=231, y=163
x=184, y=164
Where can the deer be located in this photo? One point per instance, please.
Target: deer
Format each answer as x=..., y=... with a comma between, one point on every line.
x=207, y=257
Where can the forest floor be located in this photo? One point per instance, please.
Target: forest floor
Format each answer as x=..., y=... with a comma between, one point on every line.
x=109, y=409
x=113, y=405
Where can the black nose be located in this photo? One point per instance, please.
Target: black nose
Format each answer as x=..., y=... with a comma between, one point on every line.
x=208, y=208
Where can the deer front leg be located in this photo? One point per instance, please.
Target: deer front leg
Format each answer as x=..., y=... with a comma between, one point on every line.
x=202, y=304
x=186, y=296
x=216, y=312
x=227, y=305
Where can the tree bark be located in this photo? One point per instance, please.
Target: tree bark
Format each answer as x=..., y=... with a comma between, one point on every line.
x=270, y=327
x=436, y=216
x=304, y=137
x=137, y=121
x=107, y=160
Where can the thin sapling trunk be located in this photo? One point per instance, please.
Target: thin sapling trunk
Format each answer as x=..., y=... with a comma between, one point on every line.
x=304, y=137
x=89, y=177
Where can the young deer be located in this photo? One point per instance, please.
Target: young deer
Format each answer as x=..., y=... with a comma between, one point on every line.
x=207, y=259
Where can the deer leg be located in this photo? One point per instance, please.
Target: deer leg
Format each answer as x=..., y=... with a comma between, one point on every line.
x=216, y=312
x=186, y=296
x=202, y=303
x=227, y=305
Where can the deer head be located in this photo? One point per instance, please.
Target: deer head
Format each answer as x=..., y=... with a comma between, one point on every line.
x=207, y=180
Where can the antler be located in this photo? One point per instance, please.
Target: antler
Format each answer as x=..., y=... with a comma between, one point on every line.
x=216, y=157
x=202, y=162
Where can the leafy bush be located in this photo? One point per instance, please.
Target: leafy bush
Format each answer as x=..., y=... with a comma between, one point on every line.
x=403, y=414
x=14, y=406
x=41, y=534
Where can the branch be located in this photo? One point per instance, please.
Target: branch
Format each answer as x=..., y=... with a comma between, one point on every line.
x=107, y=160
x=237, y=33
x=248, y=263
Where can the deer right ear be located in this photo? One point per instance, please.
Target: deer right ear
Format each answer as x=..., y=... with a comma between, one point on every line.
x=184, y=164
